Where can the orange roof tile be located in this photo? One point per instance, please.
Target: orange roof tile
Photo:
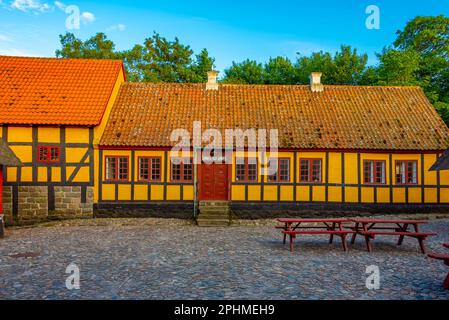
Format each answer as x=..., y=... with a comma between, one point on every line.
x=51, y=91
x=341, y=117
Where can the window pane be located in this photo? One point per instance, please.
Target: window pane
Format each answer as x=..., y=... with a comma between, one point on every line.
x=316, y=170
x=304, y=170
x=400, y=172
x=368, y=171
x=252, y=170
x=411, y=172
x=175, y=172
x=188, y=172
x=273, y=169
x=379, y=172
x=284, y=168
x=240, y=169
x=155, y=169
x=111, y=168
x=144, y=169
x=123, y=168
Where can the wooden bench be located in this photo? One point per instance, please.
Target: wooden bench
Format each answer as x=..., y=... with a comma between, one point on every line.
x=342, y=233
x=445, y=258
x=421, y=236
x=369, y=228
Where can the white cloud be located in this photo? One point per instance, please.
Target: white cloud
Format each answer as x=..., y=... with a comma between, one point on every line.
x=60, y=5
x=30, y=5
x=87, y=17
x=117, y=27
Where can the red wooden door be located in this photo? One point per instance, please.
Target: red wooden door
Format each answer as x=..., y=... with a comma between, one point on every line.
x=213, y=182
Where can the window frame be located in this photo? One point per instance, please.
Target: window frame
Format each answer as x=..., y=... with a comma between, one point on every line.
x=278, y=172
x=246, y=163
x=48, y=148
x=406, y=172
x=374, y=173
x=150, y=169
x=181, y=173
x=117, y=174
x=310, y=170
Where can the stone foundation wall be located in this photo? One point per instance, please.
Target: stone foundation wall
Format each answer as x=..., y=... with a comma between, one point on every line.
x=68, y=203
x=33, y=204
x=7, y=205
x=180, y=210
x=258, y=210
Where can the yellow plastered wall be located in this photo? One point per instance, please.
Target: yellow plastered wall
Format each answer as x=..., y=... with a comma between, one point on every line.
x=335, y=168
x=77, y=135
x=48, y=135
x=20, y=134
x=98, y=130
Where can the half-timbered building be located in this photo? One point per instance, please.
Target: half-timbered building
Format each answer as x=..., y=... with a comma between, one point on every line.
x=340, y=148
x=52, y=114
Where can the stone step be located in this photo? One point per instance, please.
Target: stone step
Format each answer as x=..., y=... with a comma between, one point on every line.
x=214, y=210
x=212, y=223
x=213, y=216
x=215, y=204
x=214, y=207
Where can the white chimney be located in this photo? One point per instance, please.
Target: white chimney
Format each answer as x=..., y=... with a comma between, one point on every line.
x=315, y=82
x=212, y=80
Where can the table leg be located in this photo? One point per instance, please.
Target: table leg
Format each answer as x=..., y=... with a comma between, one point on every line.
x=343, y=241
x=286, y=227
x=368, y=243
x=446, y=282
x=291, y=242
x=420, y=239
x=354, y=235
x=421, y=245
x=331, y=239
x=401, y=238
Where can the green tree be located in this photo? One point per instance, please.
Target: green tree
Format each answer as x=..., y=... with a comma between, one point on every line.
x=280, y=70
x=345, y=67
x=317, y=61
x=96, y=47
x=197, y=71
x=348, y=66
x=157, y=60
x=398, y=67
x=428, y=36
x=246, y=72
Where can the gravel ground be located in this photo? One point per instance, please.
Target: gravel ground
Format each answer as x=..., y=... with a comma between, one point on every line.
x=148, y=259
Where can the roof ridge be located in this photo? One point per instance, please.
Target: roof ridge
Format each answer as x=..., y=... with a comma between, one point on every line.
x=60, y=59
x=268, y=85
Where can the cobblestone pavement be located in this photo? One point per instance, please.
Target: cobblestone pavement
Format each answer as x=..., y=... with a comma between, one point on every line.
x=181, y=261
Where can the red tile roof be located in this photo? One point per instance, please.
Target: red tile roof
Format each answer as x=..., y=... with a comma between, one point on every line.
x=341, y=117
x=55, y=91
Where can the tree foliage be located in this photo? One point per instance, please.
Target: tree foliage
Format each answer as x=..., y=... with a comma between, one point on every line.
x=156, y=60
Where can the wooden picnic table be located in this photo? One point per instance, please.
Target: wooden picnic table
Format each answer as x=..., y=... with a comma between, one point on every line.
x=295, y=226
x=369, y=228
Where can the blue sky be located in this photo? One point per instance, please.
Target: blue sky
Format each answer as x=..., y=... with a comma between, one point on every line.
x=231, y=30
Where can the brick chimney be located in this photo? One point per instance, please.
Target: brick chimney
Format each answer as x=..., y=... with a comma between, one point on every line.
x=315, y=82
x=212, y=80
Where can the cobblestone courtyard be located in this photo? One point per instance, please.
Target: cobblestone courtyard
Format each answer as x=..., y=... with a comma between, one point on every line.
x=143, y=260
